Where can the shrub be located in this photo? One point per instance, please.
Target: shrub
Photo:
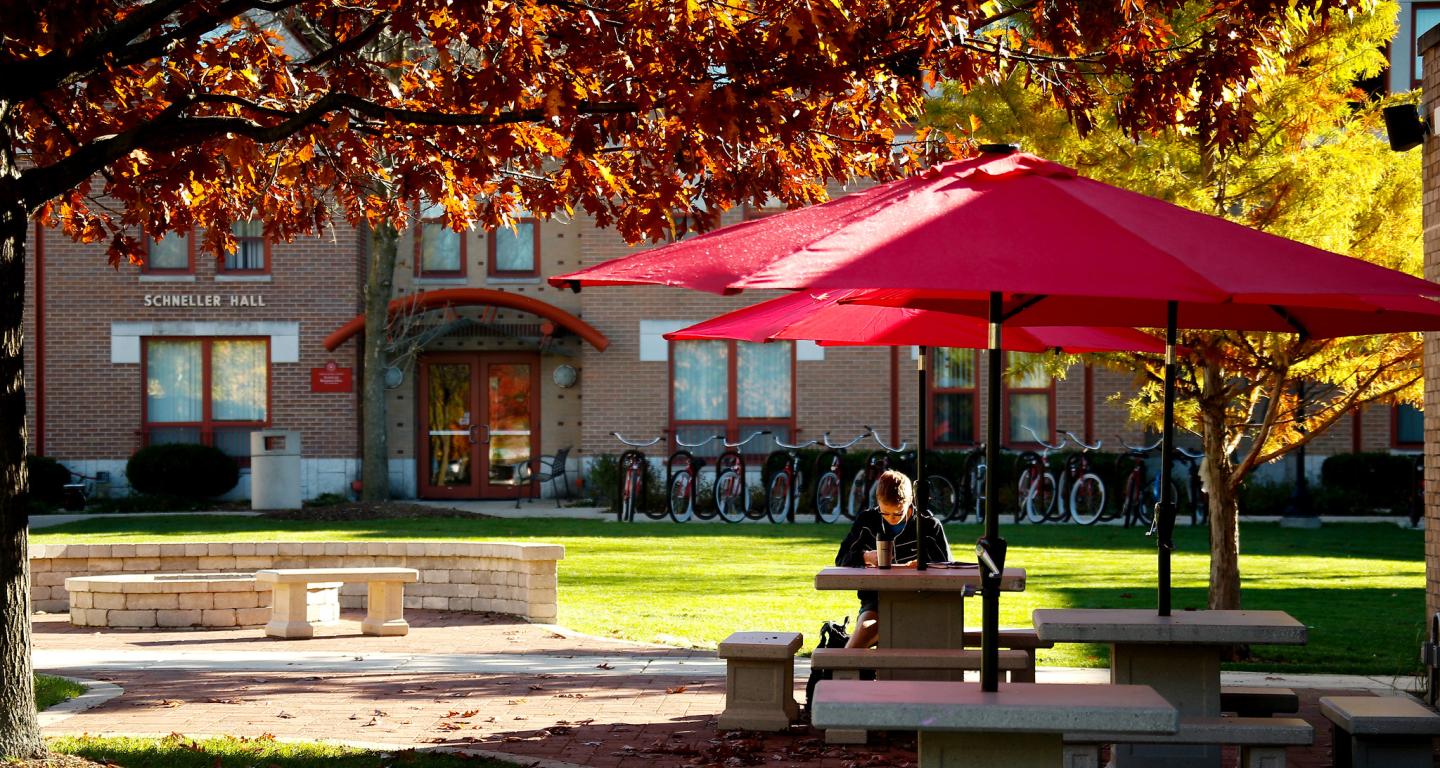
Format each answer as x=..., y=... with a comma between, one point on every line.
x=1364, y=483
x=602, y=483
x=188, y=471
x=47, y=479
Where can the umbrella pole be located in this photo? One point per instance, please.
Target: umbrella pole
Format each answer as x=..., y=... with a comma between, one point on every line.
x=990, y=550
x=1165, y=507
x=922, y=495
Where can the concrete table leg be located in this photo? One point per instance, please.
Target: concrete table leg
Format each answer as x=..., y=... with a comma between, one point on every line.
x=1261, y=757
x=921, y=620
x=939, y=749
x=288, y=612
x=1189, y=678
x=385, y=610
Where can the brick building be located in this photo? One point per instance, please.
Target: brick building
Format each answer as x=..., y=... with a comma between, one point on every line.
x=502, y=368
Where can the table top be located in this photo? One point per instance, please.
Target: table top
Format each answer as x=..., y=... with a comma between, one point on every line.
x=1015, y=708
x=911, y=580
x=1145, y=626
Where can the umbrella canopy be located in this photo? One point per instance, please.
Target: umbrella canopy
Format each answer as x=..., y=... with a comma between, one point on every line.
x=827, y=319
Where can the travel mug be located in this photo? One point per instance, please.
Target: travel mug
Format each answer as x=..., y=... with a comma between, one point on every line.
x=884, y=553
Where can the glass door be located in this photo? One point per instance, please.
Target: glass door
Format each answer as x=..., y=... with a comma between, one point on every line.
x=511, y=386
x=479, y=423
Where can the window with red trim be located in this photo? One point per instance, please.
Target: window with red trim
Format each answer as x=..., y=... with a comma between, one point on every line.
x=211, y=391
x=515, y=252
x=954, y=395
x=732, y=388
x=170, y=255
x=1029, y=399
x=252, y=250
x=1407, y=427
x=439, y=250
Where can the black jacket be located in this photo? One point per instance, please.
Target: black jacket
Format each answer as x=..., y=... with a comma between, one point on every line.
x=862, y=537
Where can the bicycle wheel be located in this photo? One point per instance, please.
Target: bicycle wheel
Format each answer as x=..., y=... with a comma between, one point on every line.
x=1059, y=512
x=777, y=497
x=1037, y=495
x=627, y=497
x=681, y=496
x=1087, y=499
x=942, y=501
x=827, y=498
x=974, y=485
x=856, y=502
x=728, y=489
x=1133, y=497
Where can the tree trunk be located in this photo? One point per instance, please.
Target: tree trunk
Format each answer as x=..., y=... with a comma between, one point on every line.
x=1224, y=498
x=379, y=277
x=19, y=730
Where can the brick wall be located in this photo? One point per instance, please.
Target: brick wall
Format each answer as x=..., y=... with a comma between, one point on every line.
x=1430, y=49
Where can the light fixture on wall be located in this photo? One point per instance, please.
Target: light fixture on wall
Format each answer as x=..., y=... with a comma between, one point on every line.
x=1404, y=126
x=565, y=376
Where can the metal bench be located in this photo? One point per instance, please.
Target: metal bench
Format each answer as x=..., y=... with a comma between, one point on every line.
x=1015, y=639
x=846, y=664
x=759, y=681
x=1376, y=731
x=1262, y=740
x=384, y=606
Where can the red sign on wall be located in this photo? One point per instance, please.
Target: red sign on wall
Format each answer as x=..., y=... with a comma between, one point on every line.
x=331, y=378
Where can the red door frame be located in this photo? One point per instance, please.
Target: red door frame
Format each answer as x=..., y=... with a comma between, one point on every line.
x=479, y=362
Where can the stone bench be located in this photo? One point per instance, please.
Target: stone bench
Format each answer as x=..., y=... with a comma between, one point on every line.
x=846, y=663
x=1015, y=639
x=1375, y=731
x=759, y=680
x=384, y=604
x=1258, y=701
x=1262, y=740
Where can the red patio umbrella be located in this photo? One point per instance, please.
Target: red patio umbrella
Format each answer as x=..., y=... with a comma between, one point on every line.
x=1011, y=230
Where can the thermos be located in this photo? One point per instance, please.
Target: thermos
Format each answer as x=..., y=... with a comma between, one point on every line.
x=884, y=548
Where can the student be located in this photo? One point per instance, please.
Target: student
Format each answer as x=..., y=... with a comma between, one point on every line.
x=894, y=497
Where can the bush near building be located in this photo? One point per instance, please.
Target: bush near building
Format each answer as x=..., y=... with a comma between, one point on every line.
x=177, y=469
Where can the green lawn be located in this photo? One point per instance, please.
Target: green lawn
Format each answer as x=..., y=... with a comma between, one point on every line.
x=1360, y=588
x=50, y=691
x=230, y=752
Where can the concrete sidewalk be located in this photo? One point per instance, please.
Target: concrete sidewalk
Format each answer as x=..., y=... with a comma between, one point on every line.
x=478, y=681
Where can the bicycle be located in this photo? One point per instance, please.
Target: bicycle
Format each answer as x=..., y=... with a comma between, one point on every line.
x=633, y=466
x=941, y=500
x=783, y=493
x=1138, y=505
x=732, y=497
x=862, y=486
x=1086, y=491
x=972, y=486
x=1199, y=501
x=1037, y=486
x=830, y=467
x=680, y=483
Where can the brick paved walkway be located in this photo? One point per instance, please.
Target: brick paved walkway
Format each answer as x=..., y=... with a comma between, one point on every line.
x=601, y=719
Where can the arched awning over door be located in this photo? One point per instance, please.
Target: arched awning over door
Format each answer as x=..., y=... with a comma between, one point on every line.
x=462, y=297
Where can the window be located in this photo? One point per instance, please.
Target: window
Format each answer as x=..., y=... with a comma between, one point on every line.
x=953, y=396
x=1029, y=399
x=733, y=388
x=207, y=391
x=1407, y=427
x=252, y=250
x=440, y=250
x=1423, y=16
x=515, y=252
x=169, y=255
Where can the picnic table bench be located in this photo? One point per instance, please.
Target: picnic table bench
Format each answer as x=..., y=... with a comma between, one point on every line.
x=384, y=605
x=1376, y=731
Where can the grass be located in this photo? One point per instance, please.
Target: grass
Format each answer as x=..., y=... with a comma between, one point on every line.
x=50, y=691
x=176, y=751
x=1359, y=587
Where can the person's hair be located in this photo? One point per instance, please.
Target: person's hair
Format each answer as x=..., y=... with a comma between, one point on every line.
x=894, y=489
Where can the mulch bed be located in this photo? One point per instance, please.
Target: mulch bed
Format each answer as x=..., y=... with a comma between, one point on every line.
x=369, y=510
x=55, y=760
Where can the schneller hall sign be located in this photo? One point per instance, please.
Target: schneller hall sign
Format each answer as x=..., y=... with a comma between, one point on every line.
x=202, y=300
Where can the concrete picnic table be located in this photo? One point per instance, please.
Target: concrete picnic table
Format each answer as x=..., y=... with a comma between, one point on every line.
x=1178, y=655
x=918, y=609
x=1019, y=726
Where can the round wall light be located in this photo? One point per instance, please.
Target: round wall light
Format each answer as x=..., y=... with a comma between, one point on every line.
x=565, y=376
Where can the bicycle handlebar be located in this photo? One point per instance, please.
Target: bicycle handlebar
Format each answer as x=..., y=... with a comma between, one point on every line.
x=1141, y=449
x=622, y=439
x=876, y=437
x=1048, y=446
x=825, y=438
x=752, y=436
x=1188, y=454
x=709, y=439
x=790, y=447
x=1082, y=444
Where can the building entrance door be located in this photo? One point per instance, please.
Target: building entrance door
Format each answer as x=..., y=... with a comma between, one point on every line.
x=479, y=415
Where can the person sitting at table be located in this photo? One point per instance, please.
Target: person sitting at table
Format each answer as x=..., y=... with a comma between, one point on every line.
x=895, y=514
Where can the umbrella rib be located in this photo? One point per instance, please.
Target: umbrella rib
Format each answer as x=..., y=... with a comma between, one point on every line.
x=1024, y=305
x=1291, y=320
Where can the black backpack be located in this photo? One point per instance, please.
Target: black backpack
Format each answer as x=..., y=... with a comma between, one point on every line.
x=832, y=635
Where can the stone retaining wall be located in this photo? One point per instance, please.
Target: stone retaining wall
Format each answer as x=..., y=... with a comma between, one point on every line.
x=518, y=579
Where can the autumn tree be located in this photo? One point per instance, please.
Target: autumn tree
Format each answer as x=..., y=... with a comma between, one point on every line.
x=1315, y=167
x=128, y=118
